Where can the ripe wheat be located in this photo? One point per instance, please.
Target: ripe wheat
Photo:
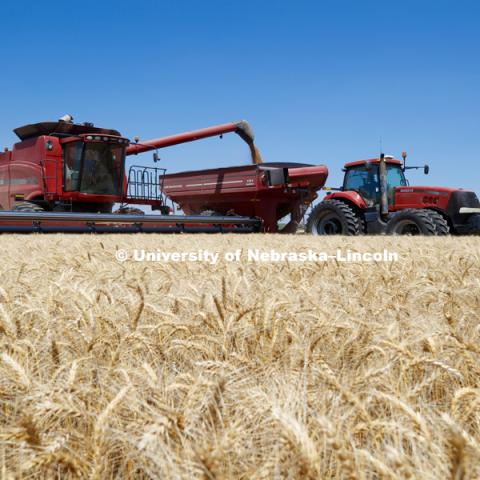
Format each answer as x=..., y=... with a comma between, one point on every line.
x=239, y=370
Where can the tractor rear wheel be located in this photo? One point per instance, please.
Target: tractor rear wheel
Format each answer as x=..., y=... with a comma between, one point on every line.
x=27, y=207
x=411, y=221
x=334, y=217
x=441, y=224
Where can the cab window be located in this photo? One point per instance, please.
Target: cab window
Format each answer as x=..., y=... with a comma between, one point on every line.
x=363, y=180
x=395, y=176
x=72, y=156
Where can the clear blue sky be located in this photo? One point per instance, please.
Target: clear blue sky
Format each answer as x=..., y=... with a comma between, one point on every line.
x=319, y=81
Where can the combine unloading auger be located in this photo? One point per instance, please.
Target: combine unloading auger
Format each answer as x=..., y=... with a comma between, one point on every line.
x=242, y=128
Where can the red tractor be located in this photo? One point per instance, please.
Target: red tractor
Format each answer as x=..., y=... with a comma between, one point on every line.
x=376, y=197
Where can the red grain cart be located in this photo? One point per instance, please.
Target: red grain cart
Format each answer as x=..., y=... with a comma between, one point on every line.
x=269, y=191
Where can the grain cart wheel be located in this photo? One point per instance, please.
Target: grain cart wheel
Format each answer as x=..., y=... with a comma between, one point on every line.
x=210, y=213
x=441, y=225
x=27, y=207
x=333, y=217
x=411, y=222
x=129, y=211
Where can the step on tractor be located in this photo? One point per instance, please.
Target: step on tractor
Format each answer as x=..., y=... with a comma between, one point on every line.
x=377, y=198
x=67, y=177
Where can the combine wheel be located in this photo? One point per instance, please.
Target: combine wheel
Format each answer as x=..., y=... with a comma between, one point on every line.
x=28, y=207
x=129, y=211
x=441, y=225
x=333, y=217
x=411, y=222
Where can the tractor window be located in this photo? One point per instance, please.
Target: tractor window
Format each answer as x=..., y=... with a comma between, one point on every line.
x=72, y=160
x=364, y=180
x=395, y=176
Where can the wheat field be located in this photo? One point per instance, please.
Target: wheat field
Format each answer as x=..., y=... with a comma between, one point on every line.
x=256, y=370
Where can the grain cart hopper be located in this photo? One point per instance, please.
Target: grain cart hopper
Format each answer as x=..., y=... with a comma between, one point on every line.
x=269, y=191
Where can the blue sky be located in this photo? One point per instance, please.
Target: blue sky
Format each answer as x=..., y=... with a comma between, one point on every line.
x=319, y=81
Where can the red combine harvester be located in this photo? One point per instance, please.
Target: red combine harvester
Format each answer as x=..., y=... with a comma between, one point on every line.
x=66, y=177
x=377, y=198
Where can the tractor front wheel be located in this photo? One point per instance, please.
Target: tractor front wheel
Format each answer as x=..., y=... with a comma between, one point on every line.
x=441, y=225
x=411, y=222
x=334, y=217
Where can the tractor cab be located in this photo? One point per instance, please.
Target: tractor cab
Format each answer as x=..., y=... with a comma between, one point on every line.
x=363, y=177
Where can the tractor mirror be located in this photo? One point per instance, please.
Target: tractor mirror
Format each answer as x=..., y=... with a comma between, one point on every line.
x=426, y=169
x=156, y=157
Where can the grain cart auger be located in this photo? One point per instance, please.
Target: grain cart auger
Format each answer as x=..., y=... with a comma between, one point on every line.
x=377, y=198
x=67, y=177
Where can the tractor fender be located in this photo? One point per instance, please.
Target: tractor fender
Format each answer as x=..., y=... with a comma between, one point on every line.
x=350, y=197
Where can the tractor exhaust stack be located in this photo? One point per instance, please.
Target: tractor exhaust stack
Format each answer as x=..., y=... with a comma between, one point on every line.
x=382, y=174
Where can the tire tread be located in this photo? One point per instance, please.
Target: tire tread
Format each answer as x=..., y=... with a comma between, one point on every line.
x=420, y=214
x=354, y=223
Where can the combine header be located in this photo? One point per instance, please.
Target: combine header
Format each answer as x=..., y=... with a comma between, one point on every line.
x=67, y=177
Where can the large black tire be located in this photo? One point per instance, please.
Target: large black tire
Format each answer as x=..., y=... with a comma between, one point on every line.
x=411, y=221
x=210, y=213
x=441, y=224
x=334, y=217
x=129, y=211
x=27, y=207
x=474, y=224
